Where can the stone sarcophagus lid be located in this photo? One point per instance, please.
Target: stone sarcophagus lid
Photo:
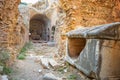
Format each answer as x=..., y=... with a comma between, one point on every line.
x=95, y=51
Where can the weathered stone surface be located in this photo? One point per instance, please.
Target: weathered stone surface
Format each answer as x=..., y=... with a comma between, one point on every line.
x=45, y=62
x=8, y=26
x=100, y=56
x=53, y=63
x=23, y=25
x=110, y=60
x=50, y=9
x=49, y=76
x=4, y=77
x=107, y=31
x=87, y=13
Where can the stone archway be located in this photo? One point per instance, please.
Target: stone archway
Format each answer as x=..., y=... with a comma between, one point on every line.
x=39, y=25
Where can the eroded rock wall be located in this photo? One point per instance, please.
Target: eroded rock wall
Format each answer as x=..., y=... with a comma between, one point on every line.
x=87, y=13
x=8, y=26
x=23, y=24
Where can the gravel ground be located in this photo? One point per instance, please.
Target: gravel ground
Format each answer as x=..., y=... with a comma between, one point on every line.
x=31, y=68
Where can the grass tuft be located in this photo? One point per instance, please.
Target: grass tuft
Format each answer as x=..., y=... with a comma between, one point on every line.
x=22, y=54
x=72, y=77
x=7, y=70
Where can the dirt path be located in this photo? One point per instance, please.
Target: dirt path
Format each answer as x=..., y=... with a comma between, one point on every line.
x=31, y=68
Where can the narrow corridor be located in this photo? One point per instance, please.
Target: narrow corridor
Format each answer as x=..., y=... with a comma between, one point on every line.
x=32, y=69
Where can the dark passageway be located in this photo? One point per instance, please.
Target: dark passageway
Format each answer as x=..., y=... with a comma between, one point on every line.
x=39, y=28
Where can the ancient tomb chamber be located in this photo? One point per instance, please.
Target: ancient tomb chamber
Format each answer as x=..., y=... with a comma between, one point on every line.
x=39, y=27
x=96, y=51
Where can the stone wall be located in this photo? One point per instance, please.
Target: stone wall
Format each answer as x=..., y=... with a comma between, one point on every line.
x=8, y=27
x=23, y=24
x=87, y=13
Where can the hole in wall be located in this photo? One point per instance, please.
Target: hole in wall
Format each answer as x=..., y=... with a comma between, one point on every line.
x=75, y=46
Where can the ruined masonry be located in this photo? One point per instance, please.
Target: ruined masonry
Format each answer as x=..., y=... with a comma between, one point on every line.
x=99, y=58
x=86, y=32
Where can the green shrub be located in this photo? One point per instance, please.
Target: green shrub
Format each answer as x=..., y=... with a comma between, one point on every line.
x=21, y=56
x=7, y=70
x=4, y=57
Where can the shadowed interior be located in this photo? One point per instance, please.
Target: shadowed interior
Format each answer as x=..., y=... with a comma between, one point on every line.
x=39, y=25
x=75, y=46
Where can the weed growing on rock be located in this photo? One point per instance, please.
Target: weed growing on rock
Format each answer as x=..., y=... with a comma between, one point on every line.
x=72, y=77
x=7, y=70
x=22, y=54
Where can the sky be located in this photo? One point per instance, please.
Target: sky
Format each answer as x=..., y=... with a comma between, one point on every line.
x=29, y=1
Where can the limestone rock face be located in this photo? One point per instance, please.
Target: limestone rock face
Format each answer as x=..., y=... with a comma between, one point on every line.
x=23, y=24
x=87, y=13
x=8, y=26
x=90, y=12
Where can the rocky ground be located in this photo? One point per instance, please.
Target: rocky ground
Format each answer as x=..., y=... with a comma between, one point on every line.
x=43, y=63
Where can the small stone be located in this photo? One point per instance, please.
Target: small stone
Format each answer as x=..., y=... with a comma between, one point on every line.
x=53, y=63
x=51, y=44
x=45, y=62
x=65, y=70
x=50, y=76
x=4, y=77
x=39, y=70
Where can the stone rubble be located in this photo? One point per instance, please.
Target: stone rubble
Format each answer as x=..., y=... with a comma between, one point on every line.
x=50, y=76
x=47, y=62
x=4, y=77
x=53, y=63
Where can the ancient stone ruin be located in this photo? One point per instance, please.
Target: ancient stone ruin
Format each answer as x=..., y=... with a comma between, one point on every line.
x=86, y=32
x=92, y=50
x=43, y=20
x=39, y=27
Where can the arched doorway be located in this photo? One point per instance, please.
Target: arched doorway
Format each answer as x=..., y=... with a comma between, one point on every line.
x=39, y=25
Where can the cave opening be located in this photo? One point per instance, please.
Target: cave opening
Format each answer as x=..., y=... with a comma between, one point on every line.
x=39, y=28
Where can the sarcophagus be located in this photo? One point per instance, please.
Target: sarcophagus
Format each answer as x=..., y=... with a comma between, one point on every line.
x=95, y=51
